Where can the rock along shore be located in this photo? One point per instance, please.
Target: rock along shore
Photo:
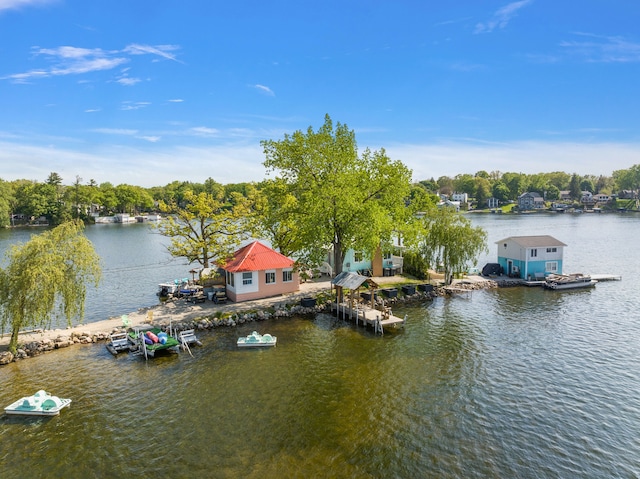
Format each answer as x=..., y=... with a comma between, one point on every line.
x=182, y=315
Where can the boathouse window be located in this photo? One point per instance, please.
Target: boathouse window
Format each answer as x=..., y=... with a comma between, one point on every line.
x=270, y=277
x=534, y=253
x=357, y=256
x=552, y=250
x=551, y=266
x=287, y=276
x=247, y=278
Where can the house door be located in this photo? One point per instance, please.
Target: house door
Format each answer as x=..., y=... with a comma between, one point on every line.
x=509, y=268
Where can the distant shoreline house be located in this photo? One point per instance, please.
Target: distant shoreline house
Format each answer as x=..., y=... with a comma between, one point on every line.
x=530, y=257
x=530, y=201
x=257, y=271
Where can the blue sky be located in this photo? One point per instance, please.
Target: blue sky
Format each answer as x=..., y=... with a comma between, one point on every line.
x=146, y=93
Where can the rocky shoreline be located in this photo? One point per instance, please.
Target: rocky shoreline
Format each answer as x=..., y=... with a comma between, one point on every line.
x=283, y=309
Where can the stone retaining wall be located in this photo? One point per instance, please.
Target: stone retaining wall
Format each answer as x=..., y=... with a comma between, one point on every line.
x=35, y=348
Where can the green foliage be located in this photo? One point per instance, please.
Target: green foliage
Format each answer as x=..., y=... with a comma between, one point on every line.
x=414, y=264
x=332, y=196
x=450, y=240
x=46, y=278
x=203, y=229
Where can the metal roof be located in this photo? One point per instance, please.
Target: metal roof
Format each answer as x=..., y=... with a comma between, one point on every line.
x=257, y=257
x=533, y=241
x=350, y=280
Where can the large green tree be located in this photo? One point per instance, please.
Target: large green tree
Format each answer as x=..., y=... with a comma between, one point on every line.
x=451, y=241
x=205, y=229
x=46, y=278
x=336, y=198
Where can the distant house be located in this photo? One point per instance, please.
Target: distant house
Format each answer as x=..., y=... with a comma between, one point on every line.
x=530, y=201
x=493, y=202
x=449, y=204
x=461, y=197
x=587, y=198
x=530, y=257
x=257, y=271
x=565, y=195
x=601, y=198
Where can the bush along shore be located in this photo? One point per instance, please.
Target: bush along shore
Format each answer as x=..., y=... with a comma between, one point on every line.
x=33, y=348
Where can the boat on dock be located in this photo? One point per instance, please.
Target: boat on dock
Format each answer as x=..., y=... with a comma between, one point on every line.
x=149, y=341
x=569, y=281
x=256, y=340
x=40, y=404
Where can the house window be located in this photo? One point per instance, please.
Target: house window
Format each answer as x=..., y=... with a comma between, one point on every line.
x=357, y=256
x=230, y=279
x=534, y=253
x=287, y=276
x=270, y=277
x=387, y=256
x=247, y=278
x=551, y=266
x=552, y=250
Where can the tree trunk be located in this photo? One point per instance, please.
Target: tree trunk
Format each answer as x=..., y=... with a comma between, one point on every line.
x=337, y=257
x=13, y=342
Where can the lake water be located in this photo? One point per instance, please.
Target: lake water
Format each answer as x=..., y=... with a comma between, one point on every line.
x=518, y=382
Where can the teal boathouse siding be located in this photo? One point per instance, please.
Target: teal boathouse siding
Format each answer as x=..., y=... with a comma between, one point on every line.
x=530, y=257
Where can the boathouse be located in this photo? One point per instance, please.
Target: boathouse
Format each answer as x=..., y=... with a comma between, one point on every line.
x=530, y=257
x=257, y=271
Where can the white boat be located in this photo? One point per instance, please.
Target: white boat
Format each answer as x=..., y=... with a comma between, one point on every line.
x=569, y=281
x=255, y=340
x=40, y=404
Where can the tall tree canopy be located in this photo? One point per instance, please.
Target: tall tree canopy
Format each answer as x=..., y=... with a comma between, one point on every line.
x=46, y=278
x=450, y=240
x=205, y=229
x=335, y=197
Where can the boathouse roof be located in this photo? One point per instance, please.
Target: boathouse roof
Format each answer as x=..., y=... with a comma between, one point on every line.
x=533, y=241
x=352, y=281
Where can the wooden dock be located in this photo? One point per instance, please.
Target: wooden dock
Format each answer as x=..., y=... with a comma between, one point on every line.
x=369, y=316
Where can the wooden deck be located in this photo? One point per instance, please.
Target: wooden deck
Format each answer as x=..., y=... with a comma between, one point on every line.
x=369, y=316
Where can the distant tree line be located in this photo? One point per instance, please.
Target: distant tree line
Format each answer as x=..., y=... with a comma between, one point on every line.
x=28, y=201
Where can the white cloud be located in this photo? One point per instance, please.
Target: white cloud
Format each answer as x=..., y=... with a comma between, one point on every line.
x=176, y=100
x=205, y=131
x=115, y=131
x=530, y=157
x=128, y=81
x=501, y=17
x=69, y=60
x=123, y=164
x=605, y=49
x=159, y=50
x=118, y=164
x=134, y=105
x=152, y=139
x=264, y=89
x=15, y=4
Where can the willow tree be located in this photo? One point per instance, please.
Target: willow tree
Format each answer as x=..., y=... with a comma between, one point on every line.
x=46, y=278
x=336, y=198
x=207, y=227
x=449, y=240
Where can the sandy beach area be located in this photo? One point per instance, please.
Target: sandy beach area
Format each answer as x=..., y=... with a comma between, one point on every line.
x=181, y=310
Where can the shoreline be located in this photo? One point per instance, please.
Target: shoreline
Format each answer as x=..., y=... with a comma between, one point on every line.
x=179, y=311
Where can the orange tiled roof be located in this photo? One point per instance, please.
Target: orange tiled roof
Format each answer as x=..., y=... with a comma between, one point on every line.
x=257, y=257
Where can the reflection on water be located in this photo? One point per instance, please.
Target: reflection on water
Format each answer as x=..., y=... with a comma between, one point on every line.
x=516, y=382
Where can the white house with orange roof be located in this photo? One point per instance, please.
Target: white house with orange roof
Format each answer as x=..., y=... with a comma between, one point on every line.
x=257, y=271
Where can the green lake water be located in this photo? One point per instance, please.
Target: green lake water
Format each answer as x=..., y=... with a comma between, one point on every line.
x=518, y=382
